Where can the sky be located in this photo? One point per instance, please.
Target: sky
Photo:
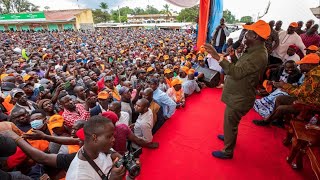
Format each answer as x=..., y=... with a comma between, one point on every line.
x=238, y=7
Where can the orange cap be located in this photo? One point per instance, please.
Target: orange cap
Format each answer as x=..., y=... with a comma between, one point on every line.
x=294, y=24
x=149, y=69
x=185, y=69
x=260, y=27
x=312, y=48
x=167, y=71
x=103, y=95
x=191, y=71
x=26, y=77
x=55, y=121
x=188, y=63
x=166, y=57
x=310, y=59
x=200, y=58
x=176, y=82
x=267, y=86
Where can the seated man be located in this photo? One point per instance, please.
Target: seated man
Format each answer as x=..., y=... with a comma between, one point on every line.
x=115, y=107
x=104, y=98
x=167, y=104
x=73, y=112
x=176, y=93
x=19, y=97
x=158, y=119
x=21, y=118
x=308, y=92
x=190, y=86
x=288, y=73
x=144, y=124
x=124, y=133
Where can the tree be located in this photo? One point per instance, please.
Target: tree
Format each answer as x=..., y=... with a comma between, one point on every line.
x=104, y=6
x=124, y=11
x=17, y=6
x=151, y=10
x=166, y=11
x=229, y=17
x=138, y=11
x=189, y=14
x=46, y=8
x=100, y=16
x=246, y=19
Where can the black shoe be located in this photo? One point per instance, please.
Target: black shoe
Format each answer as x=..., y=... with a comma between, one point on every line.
x=278, y=123
x=221, y=137
x=221, y=155
x=260, y=122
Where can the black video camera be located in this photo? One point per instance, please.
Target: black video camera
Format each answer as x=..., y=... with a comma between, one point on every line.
x=128, y=161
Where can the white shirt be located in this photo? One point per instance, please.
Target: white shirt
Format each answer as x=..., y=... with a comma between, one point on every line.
x=285, y=41
x=143, y=126
x=124, y=118
x=82, y=170
x=213, y=64
x=295, y=57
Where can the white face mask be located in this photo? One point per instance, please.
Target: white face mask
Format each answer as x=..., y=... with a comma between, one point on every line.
x=37, y=124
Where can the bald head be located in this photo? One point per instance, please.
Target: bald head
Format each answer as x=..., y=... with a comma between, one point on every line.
x=115, y=107
x=148, y=94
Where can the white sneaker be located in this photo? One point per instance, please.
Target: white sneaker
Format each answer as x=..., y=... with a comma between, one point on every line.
x=220, y=86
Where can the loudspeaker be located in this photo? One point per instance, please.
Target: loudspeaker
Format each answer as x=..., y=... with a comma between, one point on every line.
x=211, y=77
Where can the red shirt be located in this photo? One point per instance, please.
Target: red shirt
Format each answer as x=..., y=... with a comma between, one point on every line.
x=309, y=40
x=121, y=134
x=71, y=117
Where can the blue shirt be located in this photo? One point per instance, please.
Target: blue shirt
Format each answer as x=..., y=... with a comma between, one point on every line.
x=167, y=104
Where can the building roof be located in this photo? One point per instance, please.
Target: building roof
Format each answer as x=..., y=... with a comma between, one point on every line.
x=50, y=16
x=150, y=15
x=62, y=15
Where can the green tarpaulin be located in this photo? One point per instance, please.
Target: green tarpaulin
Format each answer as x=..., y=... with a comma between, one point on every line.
x=12, y=27
x=38, y=28
x=67, y=26
x=2, y=28
x=53, y=27
x=25, y=28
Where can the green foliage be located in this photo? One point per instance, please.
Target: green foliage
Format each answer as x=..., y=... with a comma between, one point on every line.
x=189, y=14
x=104, y=6
x=100, y=16
x=246, y=19
x=123, y=14
x=17, y=6
x=138, y=11
x=229, y=17
x=151, y=10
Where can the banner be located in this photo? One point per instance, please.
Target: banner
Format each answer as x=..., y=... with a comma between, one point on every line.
x=203, y=21
x=216, y=13
x=22, y=16
x=184, y=3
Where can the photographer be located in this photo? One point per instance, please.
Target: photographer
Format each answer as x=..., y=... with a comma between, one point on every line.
x=220, y=36
x=98, y=141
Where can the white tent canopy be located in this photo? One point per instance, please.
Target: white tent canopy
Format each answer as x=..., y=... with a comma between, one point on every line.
x=291, y=11
x=184, y=3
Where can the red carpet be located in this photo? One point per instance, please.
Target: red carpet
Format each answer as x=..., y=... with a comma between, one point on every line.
x=188, y=138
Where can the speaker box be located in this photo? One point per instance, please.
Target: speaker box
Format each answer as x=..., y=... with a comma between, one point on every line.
x=211, y=77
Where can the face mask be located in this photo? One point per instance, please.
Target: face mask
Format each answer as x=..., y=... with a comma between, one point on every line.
x=37, y=124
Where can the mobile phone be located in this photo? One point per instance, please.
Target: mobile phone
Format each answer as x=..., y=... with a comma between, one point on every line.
x=67, y=85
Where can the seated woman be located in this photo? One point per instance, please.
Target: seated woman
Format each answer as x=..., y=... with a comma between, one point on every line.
x=287, y=73
x=176, y=93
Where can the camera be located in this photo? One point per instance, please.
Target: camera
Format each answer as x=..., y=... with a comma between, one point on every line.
x=128, y=161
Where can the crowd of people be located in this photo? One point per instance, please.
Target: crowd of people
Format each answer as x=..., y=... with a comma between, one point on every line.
x=72, y=95
x=125, y=82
